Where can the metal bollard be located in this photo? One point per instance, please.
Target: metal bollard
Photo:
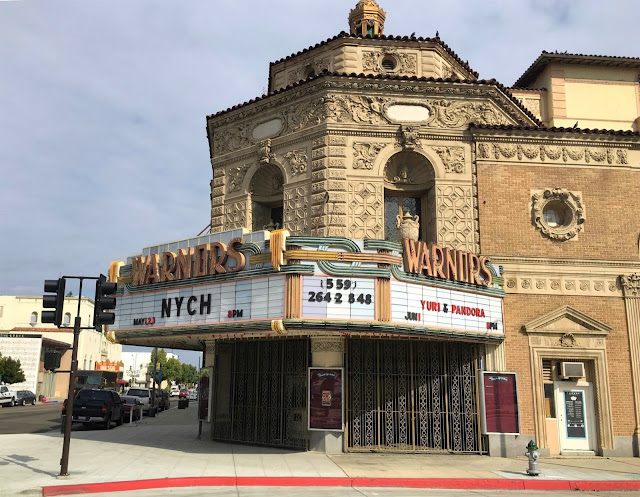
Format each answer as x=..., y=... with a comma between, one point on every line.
x=533, y=455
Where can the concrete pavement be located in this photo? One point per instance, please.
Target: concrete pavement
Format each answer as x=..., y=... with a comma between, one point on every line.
x=167, y=447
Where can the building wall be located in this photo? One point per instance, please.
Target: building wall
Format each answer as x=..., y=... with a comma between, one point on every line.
x=520, y=309
x=609, y=194
x=593, y=96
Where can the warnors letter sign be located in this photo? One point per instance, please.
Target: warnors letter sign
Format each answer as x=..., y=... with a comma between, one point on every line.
x=445, y=263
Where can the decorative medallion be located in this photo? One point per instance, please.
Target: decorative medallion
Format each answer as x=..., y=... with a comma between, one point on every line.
x=296, y=161
x=568, y=340
x=558, y=213
x=364, y=154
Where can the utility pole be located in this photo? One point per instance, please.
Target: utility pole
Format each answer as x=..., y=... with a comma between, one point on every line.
x=68, y=418
x=152, y=411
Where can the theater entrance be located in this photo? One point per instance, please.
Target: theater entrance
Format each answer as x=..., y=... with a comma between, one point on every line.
x=412, y=396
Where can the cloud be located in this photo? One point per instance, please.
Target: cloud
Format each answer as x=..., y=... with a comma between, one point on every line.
x=103, y=147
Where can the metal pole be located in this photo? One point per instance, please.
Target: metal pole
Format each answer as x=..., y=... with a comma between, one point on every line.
x=152, y=411
x=64, y=461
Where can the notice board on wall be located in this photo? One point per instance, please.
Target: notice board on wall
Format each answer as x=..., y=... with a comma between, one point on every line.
x=326, y=410
x=500, y=412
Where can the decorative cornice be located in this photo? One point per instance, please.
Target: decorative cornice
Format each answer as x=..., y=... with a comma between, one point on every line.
x=327, y=344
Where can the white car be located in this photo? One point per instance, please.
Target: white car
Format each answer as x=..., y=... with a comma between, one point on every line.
x=175, y=390
x=193, y=395
x=7, y=396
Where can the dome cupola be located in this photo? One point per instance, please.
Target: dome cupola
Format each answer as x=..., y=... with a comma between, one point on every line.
x=367, y=18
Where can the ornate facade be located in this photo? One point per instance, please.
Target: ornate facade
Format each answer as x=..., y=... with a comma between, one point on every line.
x=363, y=129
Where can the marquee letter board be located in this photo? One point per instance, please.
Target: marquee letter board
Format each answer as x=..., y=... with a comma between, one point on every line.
x=325, y=399
x=500, y=403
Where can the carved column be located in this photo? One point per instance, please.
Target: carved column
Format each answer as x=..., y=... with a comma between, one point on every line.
x=631, y=292
x=494, y=357
x=329, y=186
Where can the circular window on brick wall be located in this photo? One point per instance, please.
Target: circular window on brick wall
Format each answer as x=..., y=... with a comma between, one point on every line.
x=557, y=213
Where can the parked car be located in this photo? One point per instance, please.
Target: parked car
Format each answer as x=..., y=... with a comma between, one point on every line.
x=144, y=394
x=7, y=396
x=165, y=402
x=129, y=402
x=95, y=405
x=175, y=390
x=193, y=395
x=183, y=399
x=26, y=397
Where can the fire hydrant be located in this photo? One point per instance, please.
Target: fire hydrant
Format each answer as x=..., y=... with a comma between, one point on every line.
x=533, y=455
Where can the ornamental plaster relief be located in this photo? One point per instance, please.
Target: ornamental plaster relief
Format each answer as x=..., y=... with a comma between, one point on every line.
x=318, y=65
x=364, y=154
x=454, y=216
x=296, y=162
x=235, y=215
x=573, y=219
x=552, y=153
x=453, y=158
x=296, y=210
x=406, y=63
x=235, y=177
x=366, y=210
x=421, y=89
x=533, y=283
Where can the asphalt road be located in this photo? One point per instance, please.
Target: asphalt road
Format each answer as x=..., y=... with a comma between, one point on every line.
x=30, y=419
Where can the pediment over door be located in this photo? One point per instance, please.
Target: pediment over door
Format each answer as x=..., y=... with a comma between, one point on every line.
x=567, y=320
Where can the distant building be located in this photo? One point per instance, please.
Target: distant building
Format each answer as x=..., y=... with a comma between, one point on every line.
x=24, y=337
x=137, y=371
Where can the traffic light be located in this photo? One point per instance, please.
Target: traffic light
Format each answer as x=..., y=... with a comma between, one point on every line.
x=103, y=302
x=52, y=360
x=55, y=301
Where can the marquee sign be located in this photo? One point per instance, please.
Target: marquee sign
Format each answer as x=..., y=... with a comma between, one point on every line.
x=443, y=308
x=205, y=259
x=440, y=262
x=325, y=297
x=254, y=299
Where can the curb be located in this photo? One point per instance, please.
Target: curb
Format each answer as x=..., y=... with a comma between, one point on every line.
x=301, y=481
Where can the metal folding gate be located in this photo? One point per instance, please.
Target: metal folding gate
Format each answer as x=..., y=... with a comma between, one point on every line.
x=412, y=396
x=260, y=392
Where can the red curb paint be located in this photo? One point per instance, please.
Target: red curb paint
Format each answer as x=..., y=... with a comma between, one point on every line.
x=297, y=481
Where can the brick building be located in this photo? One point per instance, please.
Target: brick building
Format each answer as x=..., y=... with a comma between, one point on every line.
x=480, y=228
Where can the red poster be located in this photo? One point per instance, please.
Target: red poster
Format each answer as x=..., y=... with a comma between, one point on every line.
x=325, y=399
x=500, y=393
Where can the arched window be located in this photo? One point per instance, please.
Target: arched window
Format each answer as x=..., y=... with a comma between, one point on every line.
x=409, y=188
x=34, y=318
x=67, y=319
x=266, y=190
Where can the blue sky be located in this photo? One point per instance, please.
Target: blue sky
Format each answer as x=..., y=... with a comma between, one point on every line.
x=103, y=145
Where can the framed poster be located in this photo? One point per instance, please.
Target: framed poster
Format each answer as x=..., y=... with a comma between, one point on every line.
x=326, y=406
x=499, y=403
x=203, y=395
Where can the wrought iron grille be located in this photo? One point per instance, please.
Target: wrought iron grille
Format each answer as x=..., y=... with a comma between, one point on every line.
x=260, y=392
x=410, y=396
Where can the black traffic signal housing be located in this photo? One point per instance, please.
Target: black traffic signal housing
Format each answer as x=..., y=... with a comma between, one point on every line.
x=52, y=360
x=104, y=301
x=55, y=301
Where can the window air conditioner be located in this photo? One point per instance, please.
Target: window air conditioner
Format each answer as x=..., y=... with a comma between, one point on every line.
x=573, y=369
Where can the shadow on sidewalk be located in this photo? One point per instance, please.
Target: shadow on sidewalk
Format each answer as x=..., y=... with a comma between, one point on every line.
x=22, y=461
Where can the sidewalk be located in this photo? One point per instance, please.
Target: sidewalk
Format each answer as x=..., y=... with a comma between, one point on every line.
x=165, y=450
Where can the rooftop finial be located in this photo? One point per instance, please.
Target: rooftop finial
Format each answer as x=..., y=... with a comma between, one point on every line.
x=367, y=18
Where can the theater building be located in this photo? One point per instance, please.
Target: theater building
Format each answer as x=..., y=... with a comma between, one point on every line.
x=390, y=235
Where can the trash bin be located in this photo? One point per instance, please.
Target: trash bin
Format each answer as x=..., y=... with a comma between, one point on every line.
x=183, y=402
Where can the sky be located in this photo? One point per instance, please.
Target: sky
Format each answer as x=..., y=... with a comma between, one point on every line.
x=103, y=147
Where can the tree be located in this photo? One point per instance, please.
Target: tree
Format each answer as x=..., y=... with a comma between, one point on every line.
x=69, y=294
x=11, y=370
x=171, y=370
x=188, y=373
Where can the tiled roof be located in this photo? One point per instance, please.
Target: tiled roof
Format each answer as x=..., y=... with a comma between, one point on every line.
x=344, y=34
x=491, y=82
x=571, y=58
x=510, y=127
x=519, y=88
